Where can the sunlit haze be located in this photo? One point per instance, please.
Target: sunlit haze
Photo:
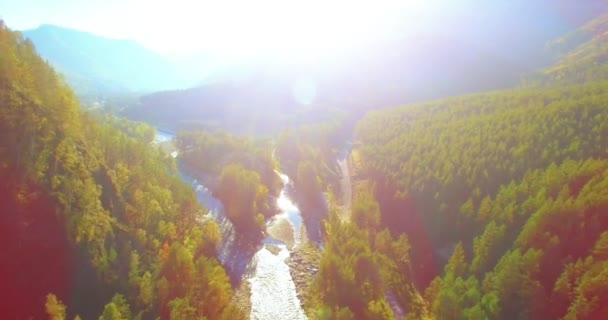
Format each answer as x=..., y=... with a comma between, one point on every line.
x=291, y=31
x=304, y=159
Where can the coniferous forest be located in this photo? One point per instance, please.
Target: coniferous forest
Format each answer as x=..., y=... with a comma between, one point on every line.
x=103, y=208
x=501, y=194
x=487, y=204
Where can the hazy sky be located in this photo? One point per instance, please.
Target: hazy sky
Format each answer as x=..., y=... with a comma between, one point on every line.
x=227, y=26
x=293, y=29
x=153, y=23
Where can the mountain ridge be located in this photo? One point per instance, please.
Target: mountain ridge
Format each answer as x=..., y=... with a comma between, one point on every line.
x=486, y=51
x=98, y=66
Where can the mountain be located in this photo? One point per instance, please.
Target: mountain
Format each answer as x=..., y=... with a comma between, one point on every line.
x=511, y=184
x=257, y=105
x=479, y=206
x=259, y=97
x=496, y=191
x=488, y=47
x=580, y=55
x=75, y=209
x=98, y=66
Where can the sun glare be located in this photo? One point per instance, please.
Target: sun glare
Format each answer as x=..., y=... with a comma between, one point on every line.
x=291, y=31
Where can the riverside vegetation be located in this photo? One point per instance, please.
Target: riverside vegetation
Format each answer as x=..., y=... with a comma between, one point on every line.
x=483, y=206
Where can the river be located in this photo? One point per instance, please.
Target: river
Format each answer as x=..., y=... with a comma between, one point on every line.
x=273, y=292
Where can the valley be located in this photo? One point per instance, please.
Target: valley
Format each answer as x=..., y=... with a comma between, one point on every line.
x=428, y=174
x=273, y=293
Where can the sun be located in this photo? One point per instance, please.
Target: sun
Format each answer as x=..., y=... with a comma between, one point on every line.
x=288, y=31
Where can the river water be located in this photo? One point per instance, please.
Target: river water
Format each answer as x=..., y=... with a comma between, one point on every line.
x=273, y=292
x=288, y=211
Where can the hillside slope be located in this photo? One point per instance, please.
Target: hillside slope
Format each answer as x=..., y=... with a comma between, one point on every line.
x=581, y=55
x=99, y=66
x=465, y=52
x=512, y=178
x=92, y=216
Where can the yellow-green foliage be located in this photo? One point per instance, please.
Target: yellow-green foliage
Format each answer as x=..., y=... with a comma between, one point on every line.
x=125, y=208
x=516, y=182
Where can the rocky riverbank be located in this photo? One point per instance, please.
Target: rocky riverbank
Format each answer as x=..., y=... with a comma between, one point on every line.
x=241, y=297
x=303, y=266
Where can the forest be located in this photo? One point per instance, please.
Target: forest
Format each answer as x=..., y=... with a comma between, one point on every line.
x=109, y=211
x=488, y=205
x=503, y=197
x=362, y=265
x=241, y=173
x=307, y=153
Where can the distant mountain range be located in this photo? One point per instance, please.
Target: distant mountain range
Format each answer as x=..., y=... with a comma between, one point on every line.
x=96, y=66
x=493, y=48
x=487, y=48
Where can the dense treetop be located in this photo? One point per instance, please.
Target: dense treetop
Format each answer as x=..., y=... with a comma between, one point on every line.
x=361, y=265
x=129, y=224
x=512, y=183
x=446, y=152
x=484, y=206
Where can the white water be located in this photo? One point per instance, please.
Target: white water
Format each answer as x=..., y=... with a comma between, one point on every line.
x=289, y=211
x=273, y=292
x=162, y=136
